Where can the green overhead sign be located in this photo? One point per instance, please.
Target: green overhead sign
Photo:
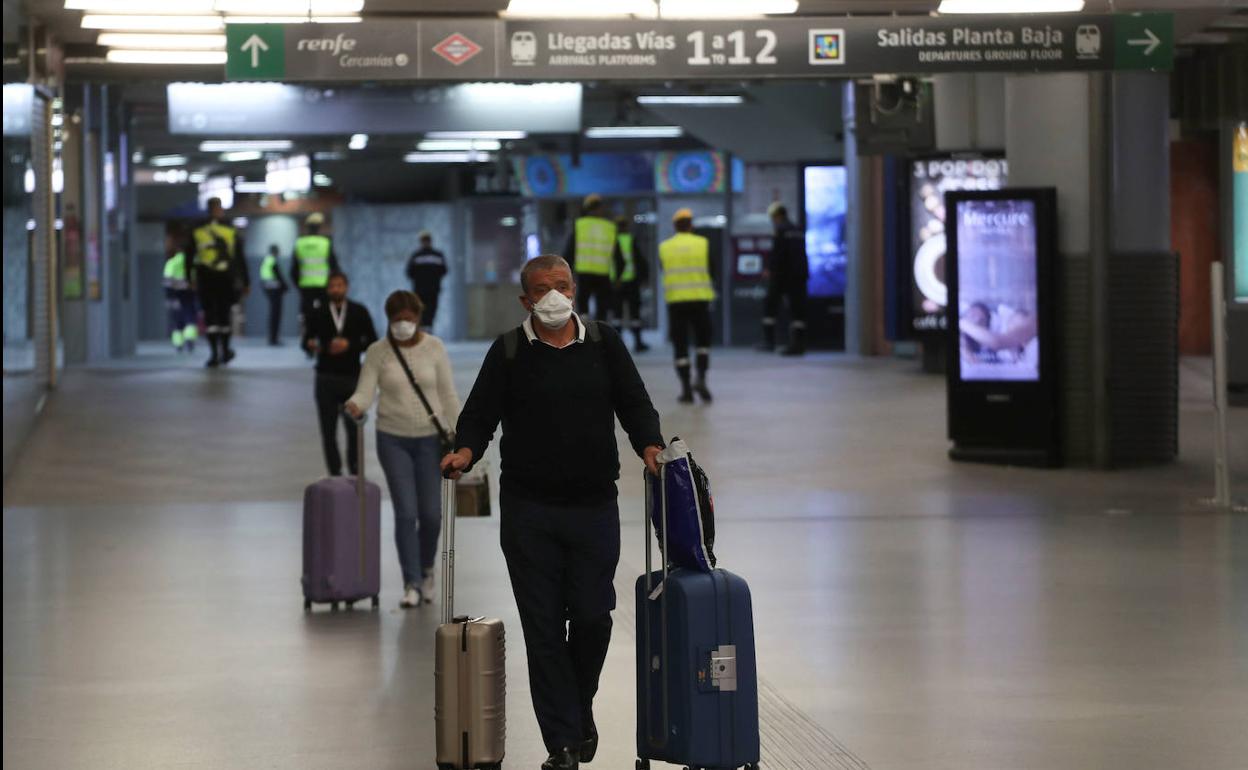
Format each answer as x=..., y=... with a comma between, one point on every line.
x=479, y=49
x=255, y=51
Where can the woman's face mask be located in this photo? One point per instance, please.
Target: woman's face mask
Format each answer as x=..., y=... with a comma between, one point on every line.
x=403, y=330
x=553, y=310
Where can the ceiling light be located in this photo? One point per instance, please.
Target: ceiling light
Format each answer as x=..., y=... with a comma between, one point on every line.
x=693, y=99
x=447, y=157
x=251, y=187
x=161, y=42
x=320, y=180
x=228, y=145
x=288, y=7
x=580, y=8
x=358, y=142
x=239, y=156
x=706, y=9
x=139, y=56
x=634, y=132
x=162, y=7
x=501, y=135
x=328, y=155
x=292, y=19
x=164, y=23
x=195, y=177
x=434, y=145
x=168, y=160
x=1010, y=6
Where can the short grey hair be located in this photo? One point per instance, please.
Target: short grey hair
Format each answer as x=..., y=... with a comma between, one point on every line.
x=544, y=262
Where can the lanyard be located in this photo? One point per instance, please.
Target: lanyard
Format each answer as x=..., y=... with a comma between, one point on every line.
x=340, y=317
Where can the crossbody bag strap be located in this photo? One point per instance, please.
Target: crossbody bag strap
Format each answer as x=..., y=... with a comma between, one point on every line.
x=442, y=432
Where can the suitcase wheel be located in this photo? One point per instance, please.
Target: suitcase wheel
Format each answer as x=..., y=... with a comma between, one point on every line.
x=307, y=605
x=643, y=764
x=376, y=601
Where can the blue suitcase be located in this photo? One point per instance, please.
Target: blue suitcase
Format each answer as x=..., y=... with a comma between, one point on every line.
x=697, y=677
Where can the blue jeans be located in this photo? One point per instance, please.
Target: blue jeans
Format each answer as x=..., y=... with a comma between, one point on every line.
x=415, y=481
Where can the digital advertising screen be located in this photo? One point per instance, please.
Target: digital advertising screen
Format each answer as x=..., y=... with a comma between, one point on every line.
x=825, y=201
x=930, y=179
x=695, y=172
x=998, y=308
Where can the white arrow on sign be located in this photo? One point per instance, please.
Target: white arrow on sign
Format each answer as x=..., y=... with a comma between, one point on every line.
x=255, y=44
x=1150, y=41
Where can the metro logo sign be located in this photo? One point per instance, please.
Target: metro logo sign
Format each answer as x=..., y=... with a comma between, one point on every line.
x=457, y=49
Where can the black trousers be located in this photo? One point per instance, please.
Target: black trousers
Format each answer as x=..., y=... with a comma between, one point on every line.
x=275, y=313
x=686, y=317
x=628, y=297
x=600, y=289
x=562, y=564
x=309, y=299
x=217, y=295
x=792, y=291
x=332, y=391
x=429, y=298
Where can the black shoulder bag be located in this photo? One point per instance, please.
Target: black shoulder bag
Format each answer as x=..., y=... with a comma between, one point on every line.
x=448, y=441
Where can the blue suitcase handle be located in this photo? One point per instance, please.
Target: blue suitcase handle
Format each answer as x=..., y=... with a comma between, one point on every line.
x=662, y=741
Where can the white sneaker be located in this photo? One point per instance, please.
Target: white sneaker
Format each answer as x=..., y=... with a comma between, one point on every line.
x=427, y=588
x=411, y=597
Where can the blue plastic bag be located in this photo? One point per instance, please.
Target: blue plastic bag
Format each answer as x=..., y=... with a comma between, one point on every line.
x=683, y=495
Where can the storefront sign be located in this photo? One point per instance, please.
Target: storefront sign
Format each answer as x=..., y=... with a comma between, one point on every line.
x=557, y=49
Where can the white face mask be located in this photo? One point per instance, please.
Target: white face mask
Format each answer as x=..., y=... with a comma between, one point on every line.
x=553, y=310
x=403, y=330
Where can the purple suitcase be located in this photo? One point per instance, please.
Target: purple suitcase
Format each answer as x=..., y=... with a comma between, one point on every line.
x=342, y=539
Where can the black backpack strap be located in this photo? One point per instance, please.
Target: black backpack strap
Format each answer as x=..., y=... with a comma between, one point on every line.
x=594, y=332
x=511, y=341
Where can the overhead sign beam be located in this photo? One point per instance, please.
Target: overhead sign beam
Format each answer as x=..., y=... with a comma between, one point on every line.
x=581, y=49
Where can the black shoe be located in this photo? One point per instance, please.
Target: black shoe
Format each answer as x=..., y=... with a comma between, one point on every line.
x=589, y=746
x=794, y=350
x=563, y=759
x=703, y=392
x=763, y=347
x=640, y=347
x=212, y=363
x=228, y=357
x=686, y=397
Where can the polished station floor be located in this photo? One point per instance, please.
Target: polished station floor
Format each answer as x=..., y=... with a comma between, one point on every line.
x=910, y=612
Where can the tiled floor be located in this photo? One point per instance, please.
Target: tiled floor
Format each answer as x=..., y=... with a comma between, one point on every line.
x=911, y=612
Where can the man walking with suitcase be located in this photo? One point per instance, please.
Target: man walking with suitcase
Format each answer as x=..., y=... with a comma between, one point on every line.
x=338, y=333
x=557, y=384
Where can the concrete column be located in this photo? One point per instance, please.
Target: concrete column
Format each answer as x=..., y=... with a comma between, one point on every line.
x=862, y=300
x=1101, y=141
x=969, y=112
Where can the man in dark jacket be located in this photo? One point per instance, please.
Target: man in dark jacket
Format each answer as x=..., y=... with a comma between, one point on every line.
x=787, y=274
x=425, y=269
x=558, y=384
x=338, y=333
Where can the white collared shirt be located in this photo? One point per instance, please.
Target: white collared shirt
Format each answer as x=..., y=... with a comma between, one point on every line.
x=531, y=336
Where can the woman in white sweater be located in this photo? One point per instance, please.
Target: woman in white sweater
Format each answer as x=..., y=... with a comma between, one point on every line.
x=408, y=441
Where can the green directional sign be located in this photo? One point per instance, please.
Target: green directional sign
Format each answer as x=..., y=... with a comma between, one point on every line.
x=1143, y=41
x=256, y=51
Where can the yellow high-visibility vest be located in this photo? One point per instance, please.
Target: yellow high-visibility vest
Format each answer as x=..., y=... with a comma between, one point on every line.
x=206, y=251
x=686, y=262
x=312, y=252
x=175, y=272
x=595, y=243
x=630, y=266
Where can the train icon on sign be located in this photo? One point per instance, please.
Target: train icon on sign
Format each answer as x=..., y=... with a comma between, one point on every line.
x=1088, y=41
x=523, y=48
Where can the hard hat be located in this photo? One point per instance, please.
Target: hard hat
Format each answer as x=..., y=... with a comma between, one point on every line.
x=423, y=234
x=682, y=214
x=591, y=200
x=315, y=218
x=775, y=208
